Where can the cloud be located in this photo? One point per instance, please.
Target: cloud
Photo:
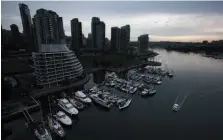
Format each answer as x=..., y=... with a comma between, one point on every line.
x=188, y=38
x=173, y=20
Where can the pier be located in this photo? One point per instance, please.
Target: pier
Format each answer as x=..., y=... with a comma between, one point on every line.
x=20, y=108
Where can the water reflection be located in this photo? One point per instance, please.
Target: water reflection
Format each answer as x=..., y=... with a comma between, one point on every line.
x=99, y=76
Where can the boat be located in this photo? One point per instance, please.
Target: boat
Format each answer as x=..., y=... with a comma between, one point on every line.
x=158, y=82
x=112, y=84
x=110, y=97
x=76, y=103
x=149, y=91
x=124, y=104
x=39, y=130
x=63, y=118
x=163, y=73
x=152, y=91
x=170, y=74
x=82, y=97
x=147, y=80
x=67, y=106
x=140, y=85
x=99, y=99
x=132, y=90
x=107, y=84
x=175, y=107
x=55, y=126
x=144, y=92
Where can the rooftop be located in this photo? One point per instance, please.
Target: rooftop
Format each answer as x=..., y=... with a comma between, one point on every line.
x=49, y=48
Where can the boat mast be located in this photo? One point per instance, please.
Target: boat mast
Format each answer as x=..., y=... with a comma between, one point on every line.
x=49, y=105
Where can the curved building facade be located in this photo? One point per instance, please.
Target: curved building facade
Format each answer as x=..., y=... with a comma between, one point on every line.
x=55, y=63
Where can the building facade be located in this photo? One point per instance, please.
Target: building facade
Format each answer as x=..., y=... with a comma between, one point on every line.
x=115, y=39
x=49, y=27
x=124, y=38
x=98, y=33
x=61, y=29
x=94, y=22
x=26, y=21
x=76, y=33
x=55, y=63
x=143, y=43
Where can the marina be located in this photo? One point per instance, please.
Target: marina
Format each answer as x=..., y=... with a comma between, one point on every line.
x=63, y=108
x=127, y=93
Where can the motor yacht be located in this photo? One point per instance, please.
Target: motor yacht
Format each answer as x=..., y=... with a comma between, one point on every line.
x=152, y=91
x=99, y=99
x=170, y=74
x=63, y=118
x=76, y=103
x=124, y=104
x=132, y=90
x=67, y=106
x=175, y=107
x=82, y=97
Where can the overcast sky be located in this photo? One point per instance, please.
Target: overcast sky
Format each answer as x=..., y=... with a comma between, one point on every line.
x=173, y=21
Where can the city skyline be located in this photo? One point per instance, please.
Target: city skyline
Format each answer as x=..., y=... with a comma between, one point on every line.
x=163, y=21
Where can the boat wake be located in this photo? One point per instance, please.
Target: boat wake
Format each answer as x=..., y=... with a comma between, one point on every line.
x=179, y=101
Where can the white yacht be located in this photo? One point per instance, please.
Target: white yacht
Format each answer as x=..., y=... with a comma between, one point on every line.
x=170, y=74
x=159, y=82
x=132, y=90
x=124, y=104
x=63, y=118
x=56, y=127
x=175, y=107
x=144, y=92
x=152, y=91
x=76, y=103
x=149, y=91
x=82, y=97
x=99, y=99
x=67, y=106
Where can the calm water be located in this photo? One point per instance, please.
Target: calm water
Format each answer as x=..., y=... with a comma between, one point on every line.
x=201, y=116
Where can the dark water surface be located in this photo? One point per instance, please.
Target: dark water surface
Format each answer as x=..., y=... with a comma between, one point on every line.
x=201, y=115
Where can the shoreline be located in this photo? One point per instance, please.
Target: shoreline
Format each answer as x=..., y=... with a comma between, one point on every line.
x=215, y=55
